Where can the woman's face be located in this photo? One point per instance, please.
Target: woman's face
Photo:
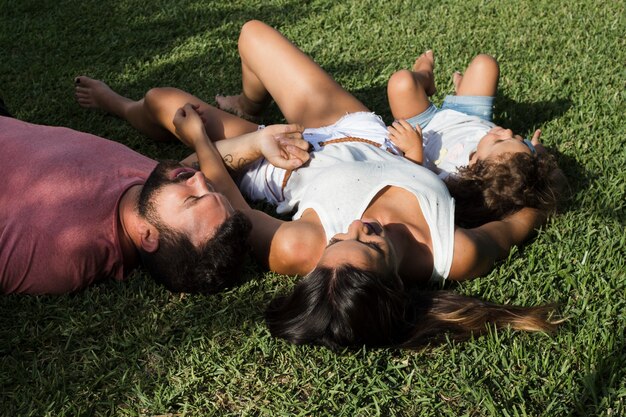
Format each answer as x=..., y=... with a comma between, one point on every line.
x=364, y=246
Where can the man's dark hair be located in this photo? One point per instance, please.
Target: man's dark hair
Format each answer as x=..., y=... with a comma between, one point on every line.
x=179, y=265
x=209, y=268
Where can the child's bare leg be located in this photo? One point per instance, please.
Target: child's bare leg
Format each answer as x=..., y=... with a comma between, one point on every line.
x=408, y=92
x=154, y=113
x=274, y=67
x=480, y=77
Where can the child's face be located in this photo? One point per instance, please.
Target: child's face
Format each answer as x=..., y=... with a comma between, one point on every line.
x=496, y=142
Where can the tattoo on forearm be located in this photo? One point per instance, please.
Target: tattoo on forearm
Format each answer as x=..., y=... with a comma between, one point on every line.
x=229, y=160
x=243, y=162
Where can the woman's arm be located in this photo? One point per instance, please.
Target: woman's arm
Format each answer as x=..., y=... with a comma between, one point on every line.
x=290, y=248
x=281, y=145
x=477, y=250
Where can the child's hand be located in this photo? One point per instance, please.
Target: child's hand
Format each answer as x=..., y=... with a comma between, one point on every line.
x=536, y=143
x=557, y=178
x=408, y=139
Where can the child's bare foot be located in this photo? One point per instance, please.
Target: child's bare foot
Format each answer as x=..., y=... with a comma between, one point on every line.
x=240, y=106
x=95, y=94
x=457, y=78
x=423, y=67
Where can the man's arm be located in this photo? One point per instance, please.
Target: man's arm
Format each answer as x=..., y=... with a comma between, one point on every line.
x=281, y=145
x=190, y=129
x=280, y=245
x=476, y=250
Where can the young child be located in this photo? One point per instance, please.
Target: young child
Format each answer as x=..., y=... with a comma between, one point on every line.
x=486, y=167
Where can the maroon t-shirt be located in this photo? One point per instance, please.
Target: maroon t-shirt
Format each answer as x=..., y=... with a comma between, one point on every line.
x=59, y=196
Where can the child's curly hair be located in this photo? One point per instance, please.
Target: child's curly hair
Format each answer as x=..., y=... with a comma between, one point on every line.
x=492, y=189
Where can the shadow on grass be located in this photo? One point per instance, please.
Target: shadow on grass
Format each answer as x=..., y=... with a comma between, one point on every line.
x=521, y=116
x=101, y=344
x=118, y=37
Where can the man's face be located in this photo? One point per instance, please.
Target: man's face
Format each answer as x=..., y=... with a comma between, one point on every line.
x=182, y=199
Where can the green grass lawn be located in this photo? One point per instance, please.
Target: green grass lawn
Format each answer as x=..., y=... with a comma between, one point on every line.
x=134, y=349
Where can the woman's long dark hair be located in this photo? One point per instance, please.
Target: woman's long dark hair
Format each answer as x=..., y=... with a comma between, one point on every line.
x=349, y=307
x=490, y=190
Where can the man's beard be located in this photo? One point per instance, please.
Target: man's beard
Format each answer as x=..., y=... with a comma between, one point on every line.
x=157, y=179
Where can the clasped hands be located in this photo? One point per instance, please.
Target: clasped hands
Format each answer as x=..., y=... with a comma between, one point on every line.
x=282, y=145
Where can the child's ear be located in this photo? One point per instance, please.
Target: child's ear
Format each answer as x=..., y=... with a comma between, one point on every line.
x=149, y=236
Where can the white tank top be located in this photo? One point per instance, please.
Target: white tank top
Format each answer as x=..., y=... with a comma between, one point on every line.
x=341, y=180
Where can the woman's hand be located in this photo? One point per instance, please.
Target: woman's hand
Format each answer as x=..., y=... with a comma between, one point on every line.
x=408, y=139
x=283, y=146
x=189, y=125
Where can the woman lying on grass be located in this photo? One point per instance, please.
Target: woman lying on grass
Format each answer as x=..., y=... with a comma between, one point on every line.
x=369, y=224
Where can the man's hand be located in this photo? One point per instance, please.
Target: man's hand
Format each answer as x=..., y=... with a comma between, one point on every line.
x=408, y=139
x=189, y=125
x=283, y=146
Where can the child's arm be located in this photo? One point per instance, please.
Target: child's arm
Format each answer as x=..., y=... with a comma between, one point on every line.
x=476, y=250
x=408, y=139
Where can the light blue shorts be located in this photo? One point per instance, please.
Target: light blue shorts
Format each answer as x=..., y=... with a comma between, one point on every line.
x=480, y=106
